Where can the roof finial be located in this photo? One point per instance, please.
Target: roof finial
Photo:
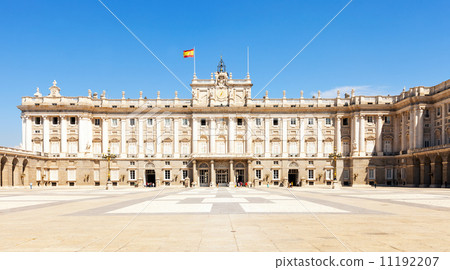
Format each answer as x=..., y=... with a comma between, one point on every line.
x=221, y=66
x=54, y=82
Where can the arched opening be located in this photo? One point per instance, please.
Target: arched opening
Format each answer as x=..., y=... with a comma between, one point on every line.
x=3, y=164
x=14, y=166
x=204, y=175
x=427, y=172
x=438, y=171
x=416, y=172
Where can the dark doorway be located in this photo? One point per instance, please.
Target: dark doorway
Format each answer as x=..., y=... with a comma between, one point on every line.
x=222, y=178
x=293, y=177
x=3, y=163
x=240, y=180
x=150, y=178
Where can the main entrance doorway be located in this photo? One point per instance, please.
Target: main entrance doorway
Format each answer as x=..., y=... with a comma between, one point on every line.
x=240, y=180
x=150, y=179
x=204, y=181
x=222, y=178
x=293, y=177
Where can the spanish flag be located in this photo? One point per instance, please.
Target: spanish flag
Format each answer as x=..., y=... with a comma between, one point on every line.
x=188, y=53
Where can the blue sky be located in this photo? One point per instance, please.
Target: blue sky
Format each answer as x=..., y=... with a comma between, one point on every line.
x=377, y=47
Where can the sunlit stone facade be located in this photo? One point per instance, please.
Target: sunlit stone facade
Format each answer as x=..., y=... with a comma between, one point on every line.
x=224, y=137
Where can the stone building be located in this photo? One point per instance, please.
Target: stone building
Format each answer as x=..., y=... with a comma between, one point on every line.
x=224, y=137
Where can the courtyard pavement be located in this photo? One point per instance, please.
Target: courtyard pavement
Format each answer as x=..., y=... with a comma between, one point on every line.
x=224, y=219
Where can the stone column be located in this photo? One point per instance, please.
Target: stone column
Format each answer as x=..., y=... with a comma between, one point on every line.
x=445, y=176
x=267, y=137
x=432, y=127
x=158, y=137
x=319, y=137
x=105, y=134
x=46, y=135
x=362, y=136
x=433, y=175
x=404, y=119
x=140, y=142
x=411, y=128
x=212, y=135
x=24, y=133
x=338, y=142
x=123, y=139
x=248, y=135
x=63, y=135
x=232, y=182
x=249, y=172
x=379, y=136
x=419, y=142
x=355, y=135
x=194, y=135
x=422, y=173
x=231, y=134
x=195, y=178
x=302, y=137
x=395, y=123
x=176, y=141
x=443, y=124
x=284, y=135
x=89, y=136
x=29, y=132
x=213, y=174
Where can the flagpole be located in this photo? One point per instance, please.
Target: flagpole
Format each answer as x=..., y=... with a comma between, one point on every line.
x=194, y=59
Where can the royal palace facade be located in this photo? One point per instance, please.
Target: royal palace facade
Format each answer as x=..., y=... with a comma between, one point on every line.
x=223, y=137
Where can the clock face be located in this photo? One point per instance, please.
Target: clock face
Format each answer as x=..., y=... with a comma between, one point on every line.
x=221, y=94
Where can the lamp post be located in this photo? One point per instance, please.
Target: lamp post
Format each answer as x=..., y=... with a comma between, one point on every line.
x=109, y=157
x=334, y=156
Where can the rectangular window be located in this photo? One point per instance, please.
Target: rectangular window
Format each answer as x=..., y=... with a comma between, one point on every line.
x=275, y=121
x=275, y=162
x=73, y=120
x=387, y=119
x=54, y=147
x=221, y=147
x=346, y=175
x=132, y=163
x=37, y=147
x=388, y=173
x=438, y=111
x=97, y=148
x=293, y=121
x=427, y=144
x=310, y=174
x=369, y=119
x=239, y=147
x=203, y=122
x=97, y=122
x=132, y=148
x=345, y=121
x=167, y=175
x=327, y=121
x=275, y=148
x=132, y=174
x=372, y=174
x=37, y=121
x=149, y=122
x=96, y=175
x=53, y=175
x=114, y=122
x=149, y=148
x=310, y=121
x=276, y=174
x=115, y=148
x=185, y=174
x=258, y=174
x=167, y=148
x=328, y=174
x=55, y=120
x=203, y=147
x=73, y=147
x=71, y=175
x=185, y=148
x=185, y=122
x=258, y=162
x=167, y=122
x=167, y=163
x=240, y=121
x=258, y=121
x=293, y=148
x=115, y=175
x=258, y=148
x=132, y=122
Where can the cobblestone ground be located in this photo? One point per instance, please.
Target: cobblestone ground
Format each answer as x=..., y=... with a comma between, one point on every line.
x=224, y=219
